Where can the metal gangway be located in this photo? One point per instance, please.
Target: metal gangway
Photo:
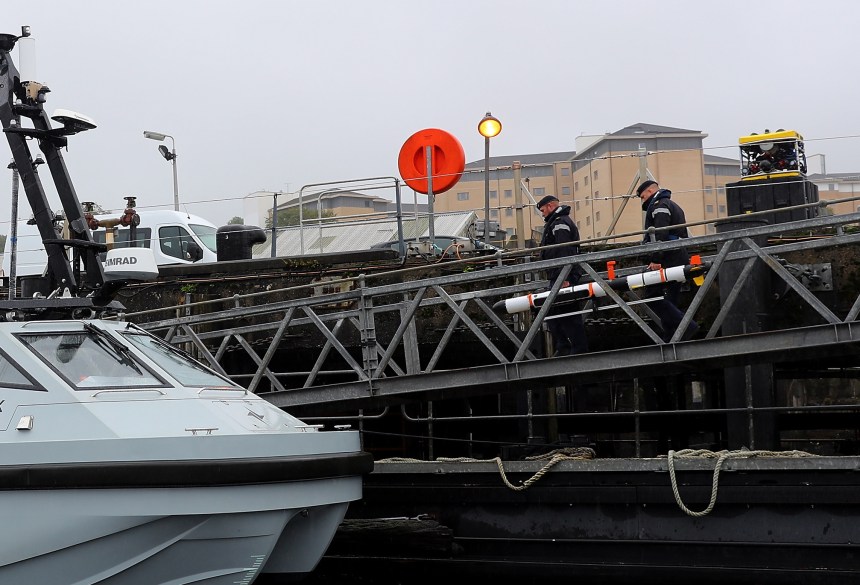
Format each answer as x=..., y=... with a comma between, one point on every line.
x=467, y=296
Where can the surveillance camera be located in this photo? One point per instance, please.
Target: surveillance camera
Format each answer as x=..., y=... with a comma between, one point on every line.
x=73, y=122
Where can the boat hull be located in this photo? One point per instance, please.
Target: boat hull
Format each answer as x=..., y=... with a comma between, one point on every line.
x=214, y=534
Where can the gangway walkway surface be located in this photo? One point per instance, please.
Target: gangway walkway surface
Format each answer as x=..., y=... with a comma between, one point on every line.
x=386, y=367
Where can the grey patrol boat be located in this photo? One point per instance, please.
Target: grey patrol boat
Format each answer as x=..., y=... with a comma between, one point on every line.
x=122, y=459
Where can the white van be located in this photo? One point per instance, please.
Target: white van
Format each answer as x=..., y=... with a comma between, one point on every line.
x=167, y=233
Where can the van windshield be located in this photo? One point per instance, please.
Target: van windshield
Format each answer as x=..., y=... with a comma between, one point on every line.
x=205, y=233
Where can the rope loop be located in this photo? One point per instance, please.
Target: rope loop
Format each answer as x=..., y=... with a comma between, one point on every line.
x=552, y=458
x=720, y=456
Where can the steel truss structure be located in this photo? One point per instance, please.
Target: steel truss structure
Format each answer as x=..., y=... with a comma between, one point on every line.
x=378, y=379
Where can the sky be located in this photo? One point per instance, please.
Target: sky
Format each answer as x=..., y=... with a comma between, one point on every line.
x=273, y=95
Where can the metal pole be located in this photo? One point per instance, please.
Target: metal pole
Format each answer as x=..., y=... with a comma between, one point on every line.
x=13, y=234
x=518, y=189
x=643, y=172
x=301, y=226
x=431, y=228
x=401, y=247
x=274, y=220
x=319, y=219
x=486, y=190
x=175, y=180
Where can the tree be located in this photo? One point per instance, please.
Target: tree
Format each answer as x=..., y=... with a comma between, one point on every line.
x=236, y=221
x=290, y=216
x=2, y=242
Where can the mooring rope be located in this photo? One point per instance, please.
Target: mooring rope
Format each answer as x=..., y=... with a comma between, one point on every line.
x=552, y=458
x=720, y=456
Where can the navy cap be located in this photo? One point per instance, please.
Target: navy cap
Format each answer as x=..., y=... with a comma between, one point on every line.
x=644, y=186
x=546, y=200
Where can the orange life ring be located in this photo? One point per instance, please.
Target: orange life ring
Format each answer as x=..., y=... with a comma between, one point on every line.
x=448, y=160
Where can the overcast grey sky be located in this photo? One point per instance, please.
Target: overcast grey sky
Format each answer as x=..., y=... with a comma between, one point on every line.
x=275, y=94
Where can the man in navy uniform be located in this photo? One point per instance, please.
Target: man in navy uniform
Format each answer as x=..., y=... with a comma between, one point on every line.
x=662, y=212
x=568, y=333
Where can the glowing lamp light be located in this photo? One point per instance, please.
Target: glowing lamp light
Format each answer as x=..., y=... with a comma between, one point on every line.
x=489, y=126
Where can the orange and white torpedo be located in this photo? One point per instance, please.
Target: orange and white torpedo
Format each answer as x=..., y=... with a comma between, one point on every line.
x=695, y=271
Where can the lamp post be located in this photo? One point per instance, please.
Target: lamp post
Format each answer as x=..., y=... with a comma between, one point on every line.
x=488, y=127
x=169, y=156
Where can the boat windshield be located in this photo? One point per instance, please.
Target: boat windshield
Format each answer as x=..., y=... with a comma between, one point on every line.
x=177, y=363
x=90, y=360
x=206, y=234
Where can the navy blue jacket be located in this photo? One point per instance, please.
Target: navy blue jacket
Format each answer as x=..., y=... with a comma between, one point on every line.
x=661, y=211
x=559, y=228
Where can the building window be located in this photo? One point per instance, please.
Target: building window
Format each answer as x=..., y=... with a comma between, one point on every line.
x=832, y=187
x=494, y=195
x=508, y=194
x=709, y=208
x=585, y=181
x=463, y=196
x=576, y=186
x=577, y=205
x=540, y=191
x=367, y=203
x=722, y=208
x=579, y=226
x=708, y=190
x=599, y=234
x=565, y=171
x=494, y=213
x=565, y=190
x=587, y=220
x=596, y=194
x=509, y=212
x=597, y=217
x=595, y=175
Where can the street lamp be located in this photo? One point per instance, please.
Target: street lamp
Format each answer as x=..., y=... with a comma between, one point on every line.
x=488, y=127
x=169, y=156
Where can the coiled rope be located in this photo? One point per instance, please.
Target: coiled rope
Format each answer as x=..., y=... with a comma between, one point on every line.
x=720, y=456
x=552, y=458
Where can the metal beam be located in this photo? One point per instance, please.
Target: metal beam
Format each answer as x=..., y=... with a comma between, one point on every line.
x=774, y=346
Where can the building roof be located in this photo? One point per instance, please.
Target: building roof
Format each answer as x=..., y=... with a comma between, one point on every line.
x=637, y=129
x=710, y=159
x=526, y=159
x=311, y=197
x=341, y=236
x=640, y=128
x=835, y=177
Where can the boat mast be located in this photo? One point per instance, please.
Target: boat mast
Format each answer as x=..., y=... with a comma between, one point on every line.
x=25, y=98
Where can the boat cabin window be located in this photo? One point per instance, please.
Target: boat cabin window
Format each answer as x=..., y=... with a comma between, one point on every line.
x=91, y=359
x=11, y=376
x=178, y=364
